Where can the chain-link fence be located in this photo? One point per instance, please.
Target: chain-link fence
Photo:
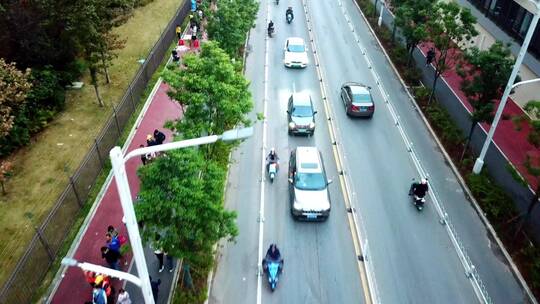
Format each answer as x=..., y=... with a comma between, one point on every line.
x=29, y=272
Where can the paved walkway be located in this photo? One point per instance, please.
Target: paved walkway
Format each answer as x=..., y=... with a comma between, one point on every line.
x=512, y=142
x=73, y=288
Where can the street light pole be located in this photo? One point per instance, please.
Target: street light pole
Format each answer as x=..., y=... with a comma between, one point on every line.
x=480, y=160
x=118, y=163
x=117, y=160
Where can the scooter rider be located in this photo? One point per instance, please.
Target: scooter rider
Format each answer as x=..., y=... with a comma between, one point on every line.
x=272, y=255
x=289, y=12
x=270, y=26
x=272, y=158
x=419, y=189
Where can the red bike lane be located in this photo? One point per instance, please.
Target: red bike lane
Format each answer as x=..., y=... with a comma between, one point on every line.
x=507, y=137
x=73, y=287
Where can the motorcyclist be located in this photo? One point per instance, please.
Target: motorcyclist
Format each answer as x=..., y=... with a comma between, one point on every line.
x=272, y=158
x=272, y=255
x=289, y=12
x=270, y=27
x=419, y=189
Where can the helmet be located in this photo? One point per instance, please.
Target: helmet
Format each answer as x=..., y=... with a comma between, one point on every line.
x=273, y=151
x=424, y=181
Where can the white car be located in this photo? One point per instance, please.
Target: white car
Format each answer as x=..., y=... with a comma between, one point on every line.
x=295, y=53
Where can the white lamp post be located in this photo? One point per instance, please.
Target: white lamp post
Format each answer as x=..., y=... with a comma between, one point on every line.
x=102, y=269
x=533, y=7
x=118, y=163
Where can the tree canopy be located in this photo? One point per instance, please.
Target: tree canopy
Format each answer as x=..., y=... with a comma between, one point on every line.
x=449, y=28
x=230, y=23
x=14, y=86
x=213, y=93
x=181, y=199
x=485, y=74
x=411, y=17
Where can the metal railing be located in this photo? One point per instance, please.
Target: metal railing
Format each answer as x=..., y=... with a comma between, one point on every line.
x=48, y=239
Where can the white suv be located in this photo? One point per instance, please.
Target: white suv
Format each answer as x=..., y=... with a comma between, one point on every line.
x=308, y=185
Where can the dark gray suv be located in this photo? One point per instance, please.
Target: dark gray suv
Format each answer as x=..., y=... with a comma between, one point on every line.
x=301, y=114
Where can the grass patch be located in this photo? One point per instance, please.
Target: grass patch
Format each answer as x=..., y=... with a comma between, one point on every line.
x=41, y=170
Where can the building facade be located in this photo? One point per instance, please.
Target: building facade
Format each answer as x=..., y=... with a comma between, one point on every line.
x=512, y=18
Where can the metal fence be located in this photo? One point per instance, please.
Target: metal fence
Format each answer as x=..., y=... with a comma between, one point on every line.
x=30, y=270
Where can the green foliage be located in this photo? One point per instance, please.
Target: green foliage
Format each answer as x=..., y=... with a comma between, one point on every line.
x=533, y=109
x=493, y=200
x=181, y=198
x=399, y=55
x=411, y=17
x=215, y=95
x=412, y=75
x=531, y=256
x=421, y=94
x=450, y=25
x=443, y=122
x=230, y=24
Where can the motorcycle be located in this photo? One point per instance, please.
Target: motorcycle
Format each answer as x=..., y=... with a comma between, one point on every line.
x=289, y=18
x=418, y=202
x=272, y=171
x=273, y=272
x=277, y=2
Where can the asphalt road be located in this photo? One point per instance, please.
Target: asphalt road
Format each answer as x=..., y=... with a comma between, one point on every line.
x=413, y=258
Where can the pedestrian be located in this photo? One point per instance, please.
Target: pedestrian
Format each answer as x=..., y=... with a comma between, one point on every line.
x=99, y=294
x=123, y=297
x=112, y=242
x=430, y=56
x=194, y=33
x=112, y=231
x=178, y=31
x=150, y=140
x=169, y=262
x=200, y=14
x=159, y=136
x=144, y=158
x=175, y=57
x=155, y=288
x=158, y=251
x=90, y=277
x=110, y=256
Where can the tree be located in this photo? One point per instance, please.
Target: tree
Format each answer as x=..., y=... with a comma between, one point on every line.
x=450, y=27
x=14, y=86
x=411, y=17
x=215, y=95
x=485, y=74
x=532, y=161
x=230, y=23
x=181, y=199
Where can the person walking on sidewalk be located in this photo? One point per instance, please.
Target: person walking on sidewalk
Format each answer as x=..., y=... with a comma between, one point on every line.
x=159, y=136
x=158, y=251
x=430, y=56
x=123, y=297
x=155, y=288
x=178, y=31
x=111, y=257
x=169, y=262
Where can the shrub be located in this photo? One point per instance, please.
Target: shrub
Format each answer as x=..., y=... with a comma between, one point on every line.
x=442, y=121
x=422, y=94
x=413, y=76
x=399, y=55
x=531, y=255
x=494, y=201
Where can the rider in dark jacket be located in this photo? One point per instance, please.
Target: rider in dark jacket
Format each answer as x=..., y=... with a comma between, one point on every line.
x=419, y=189
x=289, y=12
x=272, y=255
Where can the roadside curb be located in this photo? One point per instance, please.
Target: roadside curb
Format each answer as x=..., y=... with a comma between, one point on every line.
x=453, y=167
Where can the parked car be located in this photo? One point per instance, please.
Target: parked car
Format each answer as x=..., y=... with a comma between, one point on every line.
x=357, y=99
x=301, y=114
x=308, y=185
x=295, y=53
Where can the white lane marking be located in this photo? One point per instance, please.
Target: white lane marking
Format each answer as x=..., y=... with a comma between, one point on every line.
x=443, y=215
x=263, y=171
x=294, y=87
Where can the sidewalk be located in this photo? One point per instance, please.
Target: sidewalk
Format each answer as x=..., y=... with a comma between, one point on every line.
x=73, y=287
x=512, y=142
